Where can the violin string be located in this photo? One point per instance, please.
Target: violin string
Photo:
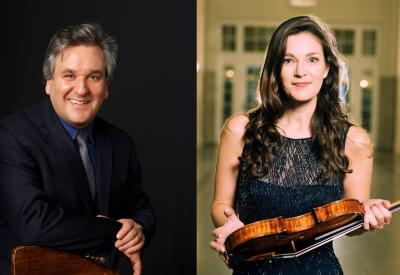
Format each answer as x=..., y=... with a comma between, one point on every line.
x=318, y=244
x=332, y=235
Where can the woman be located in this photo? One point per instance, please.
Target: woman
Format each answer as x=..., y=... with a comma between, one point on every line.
x=297, y=150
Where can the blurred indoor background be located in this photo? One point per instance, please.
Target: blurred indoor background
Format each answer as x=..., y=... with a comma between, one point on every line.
x=232, y=36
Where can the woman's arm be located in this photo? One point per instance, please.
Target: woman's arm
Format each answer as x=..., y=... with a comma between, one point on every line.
x=227, y=168
x=357, y=185
x=226, y=173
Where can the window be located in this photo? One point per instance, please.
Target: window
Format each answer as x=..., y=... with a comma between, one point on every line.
x=366, y=90
x=346, y=41
x=228, y=38
x=228, y=92
x=366, y=108
x=256, y=39
x=369, y=42
x=252, y=82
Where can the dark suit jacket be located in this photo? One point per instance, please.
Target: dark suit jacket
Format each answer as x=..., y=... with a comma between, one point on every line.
x=44, y=193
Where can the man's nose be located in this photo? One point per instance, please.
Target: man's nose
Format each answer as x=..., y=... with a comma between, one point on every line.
x=81, y=87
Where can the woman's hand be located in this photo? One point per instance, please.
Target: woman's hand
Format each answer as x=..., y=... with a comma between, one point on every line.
x=221, y=233
x=376, y=214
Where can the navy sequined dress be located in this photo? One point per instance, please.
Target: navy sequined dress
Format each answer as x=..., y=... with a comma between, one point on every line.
x=292, y=187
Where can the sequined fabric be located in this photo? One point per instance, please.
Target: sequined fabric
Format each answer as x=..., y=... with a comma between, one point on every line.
x=292, y=187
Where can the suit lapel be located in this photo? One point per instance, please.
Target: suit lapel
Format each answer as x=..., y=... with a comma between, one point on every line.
x=104, y=164
x=61, y=144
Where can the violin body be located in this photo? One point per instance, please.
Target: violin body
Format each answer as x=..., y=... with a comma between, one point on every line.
x=287, y=237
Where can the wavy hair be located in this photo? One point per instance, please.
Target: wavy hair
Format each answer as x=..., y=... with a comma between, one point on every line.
x=262, y=139
x=83, y=34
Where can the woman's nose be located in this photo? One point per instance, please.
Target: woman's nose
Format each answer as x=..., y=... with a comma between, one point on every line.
x=300, y=70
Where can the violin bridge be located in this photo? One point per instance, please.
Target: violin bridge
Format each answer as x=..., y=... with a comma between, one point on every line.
x=293, y=246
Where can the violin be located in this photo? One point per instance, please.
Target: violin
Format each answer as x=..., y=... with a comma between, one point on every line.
x=284, y=238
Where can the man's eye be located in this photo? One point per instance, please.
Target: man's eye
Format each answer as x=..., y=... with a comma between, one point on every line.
x=95, y=77
x=68, y=76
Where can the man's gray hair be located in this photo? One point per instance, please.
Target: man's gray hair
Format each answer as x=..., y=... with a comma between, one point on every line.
x=84, y=34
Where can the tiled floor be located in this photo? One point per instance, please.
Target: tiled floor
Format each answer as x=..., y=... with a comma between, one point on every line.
x=371, y=253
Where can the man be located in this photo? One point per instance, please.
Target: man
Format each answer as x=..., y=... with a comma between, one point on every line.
x=68, y=179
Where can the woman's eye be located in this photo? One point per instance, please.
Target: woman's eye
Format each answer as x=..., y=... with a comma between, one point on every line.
x=314, y=59
x=69, y=76
x=287, y=60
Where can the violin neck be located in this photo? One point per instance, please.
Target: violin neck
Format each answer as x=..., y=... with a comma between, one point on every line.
x=334, y=234
x=324, y=239
x=395, y=206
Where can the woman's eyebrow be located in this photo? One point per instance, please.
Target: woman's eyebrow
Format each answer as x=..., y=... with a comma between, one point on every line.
x=308, y=54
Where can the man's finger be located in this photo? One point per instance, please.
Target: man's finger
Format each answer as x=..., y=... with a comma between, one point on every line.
x=135, y=249
x=126, y=227
x=132, y=243
x=137, y=265
x=131, y=235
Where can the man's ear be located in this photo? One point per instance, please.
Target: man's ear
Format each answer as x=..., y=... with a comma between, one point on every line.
x=48, y=84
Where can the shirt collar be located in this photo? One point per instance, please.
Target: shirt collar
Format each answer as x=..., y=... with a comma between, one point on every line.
x=73, y=132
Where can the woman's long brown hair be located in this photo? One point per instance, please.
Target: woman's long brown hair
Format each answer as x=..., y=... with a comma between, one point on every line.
x=329, y=119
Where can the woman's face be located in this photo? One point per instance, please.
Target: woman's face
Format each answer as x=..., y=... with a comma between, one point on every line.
x=304, y=67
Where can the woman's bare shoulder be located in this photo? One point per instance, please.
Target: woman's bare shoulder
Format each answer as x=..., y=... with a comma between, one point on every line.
x=358, y=142
x=236, y=124
x=359, y=135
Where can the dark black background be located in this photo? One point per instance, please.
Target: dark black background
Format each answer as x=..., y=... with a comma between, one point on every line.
x=152, y=97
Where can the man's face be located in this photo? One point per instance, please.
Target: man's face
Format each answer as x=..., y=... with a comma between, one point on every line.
x=78, y=87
